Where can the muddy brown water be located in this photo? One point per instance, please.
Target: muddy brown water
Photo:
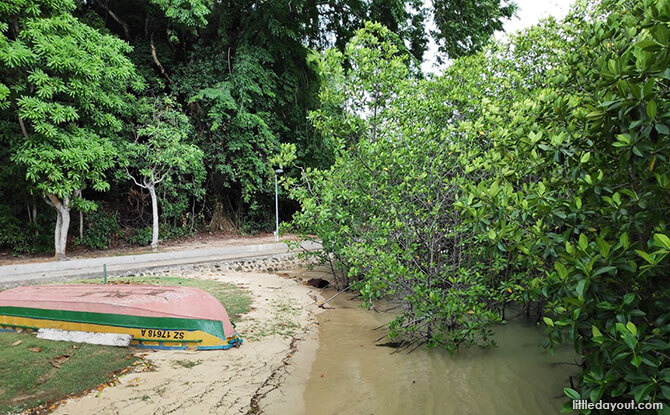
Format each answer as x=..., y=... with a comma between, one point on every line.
x=350, y=375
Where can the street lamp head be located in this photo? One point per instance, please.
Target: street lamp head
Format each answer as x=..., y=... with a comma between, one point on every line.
x=279, y=171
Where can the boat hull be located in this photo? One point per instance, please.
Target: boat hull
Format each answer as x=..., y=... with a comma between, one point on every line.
x=151, y=322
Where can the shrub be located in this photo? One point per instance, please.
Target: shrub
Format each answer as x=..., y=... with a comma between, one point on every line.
x=103, y=226
x=20, y=237
x=536, y=172
x=142, y=236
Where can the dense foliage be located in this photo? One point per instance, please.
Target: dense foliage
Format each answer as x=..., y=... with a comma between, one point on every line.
x=534, y=173
x=66, y=87
x=76, y=78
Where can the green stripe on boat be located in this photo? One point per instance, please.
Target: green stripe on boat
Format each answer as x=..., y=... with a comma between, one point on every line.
x=215, y=328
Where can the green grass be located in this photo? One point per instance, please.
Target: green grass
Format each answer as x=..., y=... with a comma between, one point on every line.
x=237, y=300
x=187, y=363
x=28, y=379
x=284, y=321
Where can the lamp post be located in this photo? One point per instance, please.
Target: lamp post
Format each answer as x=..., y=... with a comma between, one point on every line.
x=277, y=173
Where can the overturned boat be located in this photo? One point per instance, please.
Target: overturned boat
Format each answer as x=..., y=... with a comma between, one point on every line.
x=161, y=317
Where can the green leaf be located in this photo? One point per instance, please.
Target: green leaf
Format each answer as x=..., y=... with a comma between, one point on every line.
x=636, y=361
x=651, y=109
x=560, y=268
x=548, y=321
x=583, y=242
x=603, y=247
x=642, y=391
x=645, y=256
x=596, y=332
x=571, y=393
x=581, y=288
x=628, y=298
x=596, y=394
x=649, y=45
x=662, y=240
x=603, y=270
x=623, y=240
x=585, y=157
x=560, y=214
x=630, y=340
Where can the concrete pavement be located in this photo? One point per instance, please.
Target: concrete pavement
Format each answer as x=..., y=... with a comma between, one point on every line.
x=93, y=267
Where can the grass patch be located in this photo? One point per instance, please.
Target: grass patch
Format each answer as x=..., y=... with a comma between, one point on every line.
x=187, y=363
x=29, y=379
x=237, y=300
x=284, y=321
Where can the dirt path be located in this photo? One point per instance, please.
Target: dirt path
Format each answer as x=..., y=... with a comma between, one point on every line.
x=233, y=381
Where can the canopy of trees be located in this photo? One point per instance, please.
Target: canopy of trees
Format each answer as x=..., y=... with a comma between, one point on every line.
x=534, y=173
x=77, y=77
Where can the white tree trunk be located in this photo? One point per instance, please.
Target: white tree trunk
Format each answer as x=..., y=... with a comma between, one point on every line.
x=65, y=226
x=62, y=225
x=59, y=221
x=154, y=211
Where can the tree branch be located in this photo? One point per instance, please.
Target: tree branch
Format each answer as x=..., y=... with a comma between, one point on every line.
x=116, y=19
x=23, y=127
x=156, y=61
x=53, y=200
x=133, y=179
x=163, y=176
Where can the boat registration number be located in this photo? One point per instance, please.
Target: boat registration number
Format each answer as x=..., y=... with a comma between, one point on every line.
x=162, y=334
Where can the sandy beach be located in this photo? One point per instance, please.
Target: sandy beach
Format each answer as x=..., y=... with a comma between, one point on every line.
x=280, y=338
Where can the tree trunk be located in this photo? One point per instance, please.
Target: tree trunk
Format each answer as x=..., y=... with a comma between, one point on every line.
x=81, y=225
x=59, y=221
x=62, y=225
x=154, y=212
x=65, y=226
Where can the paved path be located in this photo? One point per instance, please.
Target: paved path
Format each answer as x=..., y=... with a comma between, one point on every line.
x=92, y=267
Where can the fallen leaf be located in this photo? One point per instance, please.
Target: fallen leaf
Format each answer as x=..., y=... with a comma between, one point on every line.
x=59, y=360
x=75, y=346
x=35, y=349
x=16, y=343
x=323, y=375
